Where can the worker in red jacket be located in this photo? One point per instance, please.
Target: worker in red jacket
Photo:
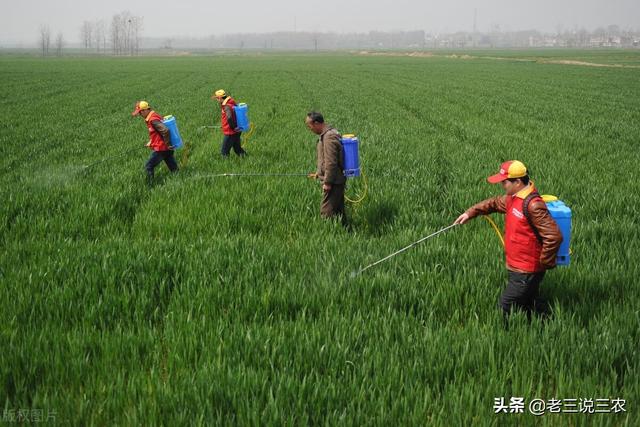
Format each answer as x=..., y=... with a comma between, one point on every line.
x=532, y=237
x=159, y=139
x=229, y=124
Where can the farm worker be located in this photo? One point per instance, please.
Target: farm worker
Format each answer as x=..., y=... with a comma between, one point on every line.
x=229, y=124
x=159, y=139
x=330, y=166
x=532, y=237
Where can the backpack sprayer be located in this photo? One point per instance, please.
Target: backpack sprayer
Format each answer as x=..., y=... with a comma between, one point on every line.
x=561, y=214
x=350, y=145
x=171, y=124
x=243, y=122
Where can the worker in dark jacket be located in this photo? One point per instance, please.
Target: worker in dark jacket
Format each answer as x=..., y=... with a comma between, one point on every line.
x=532, y=237
x=229, y=124
x=330, y=167
x=159, y=139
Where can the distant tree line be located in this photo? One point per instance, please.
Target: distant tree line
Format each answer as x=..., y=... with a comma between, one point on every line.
x=610, y=36
x=93, y=35
x=45, y=42
x=122, y=37
x=125, y=34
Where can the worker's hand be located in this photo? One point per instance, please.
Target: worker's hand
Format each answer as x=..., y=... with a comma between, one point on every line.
x=326, y=187
x=171, y=147
x=237, y=130
x=148, y=144
x=312, y=175
x=462, y=219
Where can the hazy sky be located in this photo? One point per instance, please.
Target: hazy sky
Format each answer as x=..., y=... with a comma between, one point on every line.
x=20, y=19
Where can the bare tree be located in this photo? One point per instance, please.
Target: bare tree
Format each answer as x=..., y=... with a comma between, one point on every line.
x=126, y=30
x=59, y=44
x=86, y=34
x=116, y=35
x=136, y=31
x=613, y=31
x=99, y=35
x=583, y=37
x=45, y=39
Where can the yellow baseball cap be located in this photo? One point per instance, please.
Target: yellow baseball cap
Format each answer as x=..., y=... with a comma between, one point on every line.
x=140, y=105
x=220, y=93
x=510, y=169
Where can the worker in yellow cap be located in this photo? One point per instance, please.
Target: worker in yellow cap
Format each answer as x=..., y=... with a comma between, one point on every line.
x=532, y=237
x=159, y=140
x=230, y=128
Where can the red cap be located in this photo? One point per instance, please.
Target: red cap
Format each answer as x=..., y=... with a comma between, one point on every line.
x=510, y=169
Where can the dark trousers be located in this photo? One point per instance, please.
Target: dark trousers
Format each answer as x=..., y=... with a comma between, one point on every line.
x=232, y=141
x=157, y=157
x=333, y=202
x=521, y=293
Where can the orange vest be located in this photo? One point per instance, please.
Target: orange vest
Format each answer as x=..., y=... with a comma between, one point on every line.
x=522, y=247
x=157, y=144
x=226, y=128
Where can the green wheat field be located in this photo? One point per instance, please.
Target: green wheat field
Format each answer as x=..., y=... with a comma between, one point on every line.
x=227, y=300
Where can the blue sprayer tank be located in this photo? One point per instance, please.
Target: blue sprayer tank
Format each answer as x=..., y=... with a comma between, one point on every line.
x=561, y=213
x=350, y=154
x=172, y=125
x=242, y=116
